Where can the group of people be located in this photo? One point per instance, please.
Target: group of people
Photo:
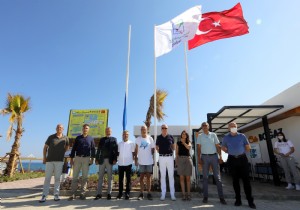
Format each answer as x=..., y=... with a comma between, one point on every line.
x=108, y=153
x=210, y=156
x=141, y=153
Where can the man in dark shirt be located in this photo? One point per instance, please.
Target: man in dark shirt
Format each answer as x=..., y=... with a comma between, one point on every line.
x=106, y=157
x=53, y=156
x=165, y=147
x=84, y=152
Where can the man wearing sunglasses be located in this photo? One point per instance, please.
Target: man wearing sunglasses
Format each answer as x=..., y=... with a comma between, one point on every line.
x=165, y=147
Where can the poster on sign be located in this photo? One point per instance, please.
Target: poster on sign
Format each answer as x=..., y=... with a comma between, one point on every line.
x=255, y=151
x=96, y=118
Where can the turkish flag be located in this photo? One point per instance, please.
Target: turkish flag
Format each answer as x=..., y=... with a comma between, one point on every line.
x=220, y=25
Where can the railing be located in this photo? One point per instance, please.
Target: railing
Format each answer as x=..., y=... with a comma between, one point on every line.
x=264, y=171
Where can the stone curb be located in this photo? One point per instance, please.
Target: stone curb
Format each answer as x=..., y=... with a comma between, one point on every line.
x=93, y=193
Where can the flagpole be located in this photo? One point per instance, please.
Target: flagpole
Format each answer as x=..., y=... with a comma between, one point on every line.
x=155, y=174
x=188, y=100
x=187, y=88
x=127, y=81
x=128, y=60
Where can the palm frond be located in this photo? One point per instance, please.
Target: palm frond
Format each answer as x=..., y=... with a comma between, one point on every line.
x=9, y=132
x=16, y=106
x=161, y=95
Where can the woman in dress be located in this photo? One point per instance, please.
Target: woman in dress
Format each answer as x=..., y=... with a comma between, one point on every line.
x=184, y=164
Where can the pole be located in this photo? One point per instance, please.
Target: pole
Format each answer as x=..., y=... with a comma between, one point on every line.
x=187, y=88
x=155, y=174
x=273, y=165
x=188, y=101
x=127, y=81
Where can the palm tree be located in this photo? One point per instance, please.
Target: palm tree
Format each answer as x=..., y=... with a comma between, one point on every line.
x=16, y=106
x=160, y=98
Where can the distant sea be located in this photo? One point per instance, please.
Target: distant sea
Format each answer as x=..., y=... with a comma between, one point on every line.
x=39, y=166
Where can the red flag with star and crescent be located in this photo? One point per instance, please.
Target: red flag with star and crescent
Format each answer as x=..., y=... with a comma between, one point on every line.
x=220, y=25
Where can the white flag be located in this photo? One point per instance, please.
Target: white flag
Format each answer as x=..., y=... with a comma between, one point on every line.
x=181, y=28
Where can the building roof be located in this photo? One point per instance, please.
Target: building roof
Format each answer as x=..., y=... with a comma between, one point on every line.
x=242, y=115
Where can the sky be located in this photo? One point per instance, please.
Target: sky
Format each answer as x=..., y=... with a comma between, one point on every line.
x=72, y=54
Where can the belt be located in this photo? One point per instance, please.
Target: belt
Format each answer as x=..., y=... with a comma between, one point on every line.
x=82, y=156
x=184, y=156
x=209, y=154
x=165, y=155
x=238, y=156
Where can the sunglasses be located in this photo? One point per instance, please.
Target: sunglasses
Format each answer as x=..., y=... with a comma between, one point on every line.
x=164, y=128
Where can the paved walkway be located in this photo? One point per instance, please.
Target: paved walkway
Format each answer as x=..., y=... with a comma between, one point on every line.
x=26, y=193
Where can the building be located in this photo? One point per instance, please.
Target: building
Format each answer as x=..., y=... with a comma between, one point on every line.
x=286, y=120
x=280, y=113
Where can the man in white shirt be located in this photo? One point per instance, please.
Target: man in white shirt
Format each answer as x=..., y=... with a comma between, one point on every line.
x=126, y=150
x=144, y=150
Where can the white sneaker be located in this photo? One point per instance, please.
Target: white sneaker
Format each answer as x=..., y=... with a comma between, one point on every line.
x=162, y=198
x=297, y=186
x=173, y=198
x=43, y=199
x=290, y=186
x=56, y=198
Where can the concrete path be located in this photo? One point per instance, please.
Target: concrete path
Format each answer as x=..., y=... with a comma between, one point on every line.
x=26, y=193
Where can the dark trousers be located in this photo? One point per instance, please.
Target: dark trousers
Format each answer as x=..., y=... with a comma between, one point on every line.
x=238, y=168
x=127, y=170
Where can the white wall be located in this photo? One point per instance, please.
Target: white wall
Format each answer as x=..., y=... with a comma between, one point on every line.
x=291, y=129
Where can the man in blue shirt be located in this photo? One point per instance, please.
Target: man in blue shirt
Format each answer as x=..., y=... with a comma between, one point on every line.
x=82, y=155
x=208, y=151
x=236, y=145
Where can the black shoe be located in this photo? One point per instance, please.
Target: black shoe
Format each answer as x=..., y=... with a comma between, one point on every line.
x=149, y=196
x=72, y=197
x=98, y=196
x=252, y=205
x=222, y=200
x=126, y=196
x=238, y=203
x=82, y=197
x=205, y=200
x=108, y=196
x=141, y=196
x=43, y=199
x=119, y=196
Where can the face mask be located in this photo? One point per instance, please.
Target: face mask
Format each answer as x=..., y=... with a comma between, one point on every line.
x=280, y=137
x=233, y=130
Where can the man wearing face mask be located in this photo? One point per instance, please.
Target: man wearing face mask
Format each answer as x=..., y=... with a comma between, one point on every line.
x=236, y=145
x=285, y=148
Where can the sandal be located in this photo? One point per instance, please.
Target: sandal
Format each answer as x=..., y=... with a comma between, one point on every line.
x=188, y=197
x=183, y=197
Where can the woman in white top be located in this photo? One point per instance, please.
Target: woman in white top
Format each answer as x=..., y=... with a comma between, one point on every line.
x=284, y=148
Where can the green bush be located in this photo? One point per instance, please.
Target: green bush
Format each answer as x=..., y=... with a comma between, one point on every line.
x=21, y=176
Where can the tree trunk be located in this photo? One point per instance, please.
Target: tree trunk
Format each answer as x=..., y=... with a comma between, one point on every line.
x=148, y=120
x=13, y=156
